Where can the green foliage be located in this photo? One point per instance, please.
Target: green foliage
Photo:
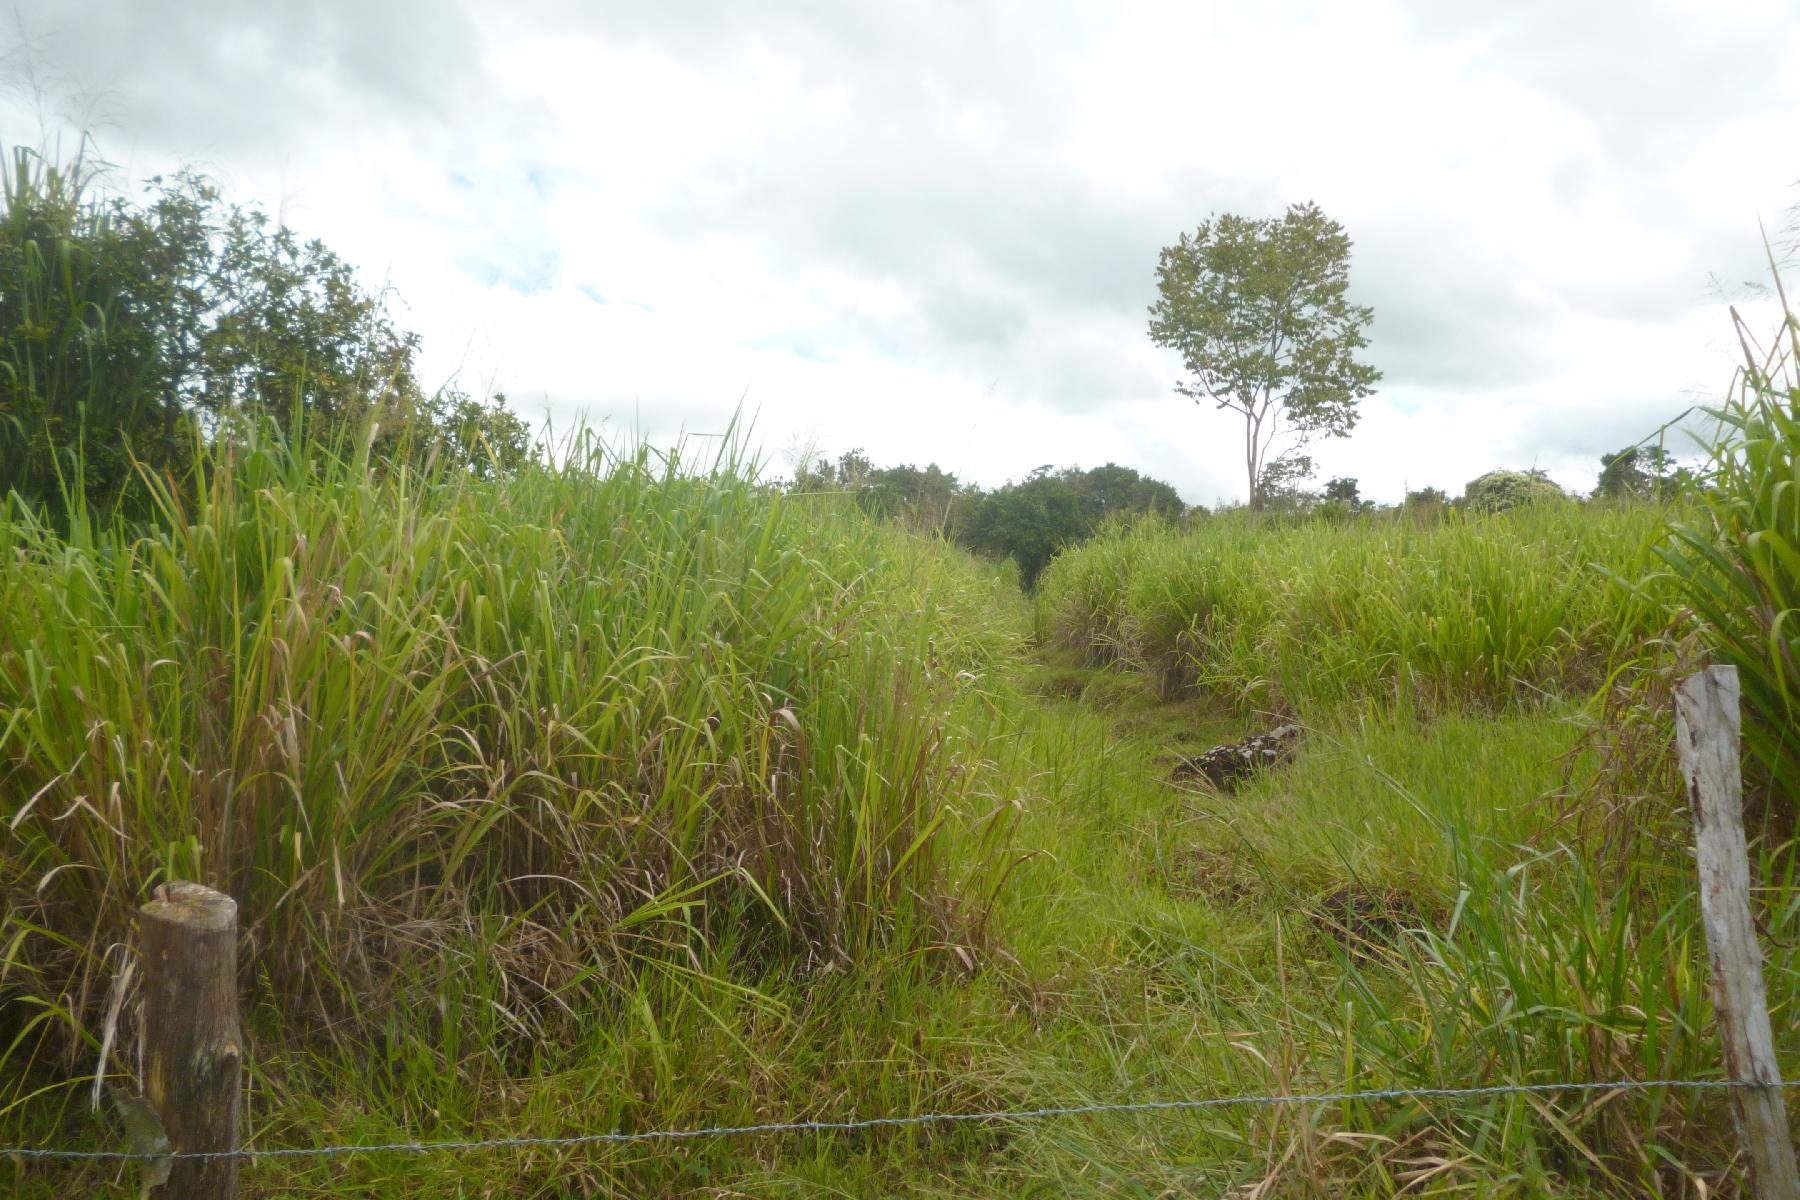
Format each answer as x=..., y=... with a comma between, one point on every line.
x=583, y=724
x=129, y=332
x=1026, y=522
x=95, y=333
x=1260, y=313
x=1344, y=491
x=1427, y=497
x=1641, y=471
x=632, y=843
x=922, y=499
x=1473, y=609
x=1281, y=482
x=1030, y=521
x=1500, y=490
x=1739, y=565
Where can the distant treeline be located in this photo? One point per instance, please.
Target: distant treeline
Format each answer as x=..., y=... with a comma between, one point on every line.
x=1026, y=521
x=134, y=332
x=1030, y=520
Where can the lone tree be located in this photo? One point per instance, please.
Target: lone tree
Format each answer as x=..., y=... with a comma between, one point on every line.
x=1639, y=471
x=1260, y=313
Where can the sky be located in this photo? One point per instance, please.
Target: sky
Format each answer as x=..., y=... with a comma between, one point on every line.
x=930, y=230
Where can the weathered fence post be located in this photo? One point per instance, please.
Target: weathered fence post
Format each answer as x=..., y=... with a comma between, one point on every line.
x=1707, y=739
x=193, y=1051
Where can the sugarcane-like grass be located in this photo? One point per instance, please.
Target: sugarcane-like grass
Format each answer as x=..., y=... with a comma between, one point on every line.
x=630, y=793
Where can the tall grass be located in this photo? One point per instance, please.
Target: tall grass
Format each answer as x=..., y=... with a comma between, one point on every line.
x=1394, y=909
x=1473, y=931
x=632, y=790
x=1469, y=608
x=1738, y=562
x=561, y=728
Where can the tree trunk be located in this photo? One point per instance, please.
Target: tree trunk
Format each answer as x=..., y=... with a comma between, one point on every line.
x=1250, y=433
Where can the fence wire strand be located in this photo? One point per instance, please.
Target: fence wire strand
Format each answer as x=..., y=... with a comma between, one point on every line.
x=851, y=1126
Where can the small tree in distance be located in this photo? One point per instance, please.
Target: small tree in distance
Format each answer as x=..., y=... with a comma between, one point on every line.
x=1281, y=481
x=1260, y=312
x=1344, y=490
x=1642, y=471
x=1500, y=490
x=1427, y=497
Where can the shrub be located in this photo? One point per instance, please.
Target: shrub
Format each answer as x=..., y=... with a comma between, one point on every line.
x=1500, y=490
x=130, y=332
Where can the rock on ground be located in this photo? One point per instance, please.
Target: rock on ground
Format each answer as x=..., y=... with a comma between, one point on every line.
x=1226, y=766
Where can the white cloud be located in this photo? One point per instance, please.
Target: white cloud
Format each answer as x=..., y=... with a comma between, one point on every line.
x=930, y=229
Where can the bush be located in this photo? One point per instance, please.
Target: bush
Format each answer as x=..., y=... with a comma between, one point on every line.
x=1031, y=521
x=1500, y=490
x=129, y=333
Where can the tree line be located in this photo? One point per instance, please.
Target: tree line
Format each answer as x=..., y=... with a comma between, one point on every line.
x=1029, y=521
x=1026, y=521
x=134, y=332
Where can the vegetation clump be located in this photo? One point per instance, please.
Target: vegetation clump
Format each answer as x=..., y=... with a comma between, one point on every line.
x=562, y=728
x=131, y=333
x=1737, y=556
x=1497, y=491
x=1026, y=522
x=1475, y=607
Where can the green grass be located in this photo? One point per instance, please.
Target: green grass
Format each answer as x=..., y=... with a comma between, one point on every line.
x=636, y=795
x=483, y=763
x=1394, y=909
x=1466, y=607
x=1738, y=558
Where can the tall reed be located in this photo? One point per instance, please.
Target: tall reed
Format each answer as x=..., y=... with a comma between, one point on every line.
x=1737, y=564
x=1470, y=608
x=572, y=721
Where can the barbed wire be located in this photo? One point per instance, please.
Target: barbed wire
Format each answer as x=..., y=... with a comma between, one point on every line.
x=851, y=1126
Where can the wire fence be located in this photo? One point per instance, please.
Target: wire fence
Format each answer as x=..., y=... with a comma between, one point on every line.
x=851, y=1126
x=1707, y=718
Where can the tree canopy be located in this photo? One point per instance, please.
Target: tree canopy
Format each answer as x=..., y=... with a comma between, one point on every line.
x=1644, y=471
x=1026, y=521
x=129, y=330
x=1030, y=520
x=1259, y=310
x=1499, y=490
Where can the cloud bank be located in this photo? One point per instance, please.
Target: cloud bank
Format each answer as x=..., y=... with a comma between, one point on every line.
x=930, y=229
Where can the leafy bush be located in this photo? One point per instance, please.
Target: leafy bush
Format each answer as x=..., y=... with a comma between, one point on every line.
x=1030, y=521
x=1025, y=522
x=1500, y=490
x=130, y=332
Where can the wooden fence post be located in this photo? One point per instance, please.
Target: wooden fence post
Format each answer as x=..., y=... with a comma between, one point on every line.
x=193, y=1050
x=1707, y=739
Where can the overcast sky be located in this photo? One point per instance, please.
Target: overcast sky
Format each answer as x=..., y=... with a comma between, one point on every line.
x=930, y=230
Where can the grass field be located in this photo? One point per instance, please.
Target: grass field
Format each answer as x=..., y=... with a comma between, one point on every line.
x=635, y=795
